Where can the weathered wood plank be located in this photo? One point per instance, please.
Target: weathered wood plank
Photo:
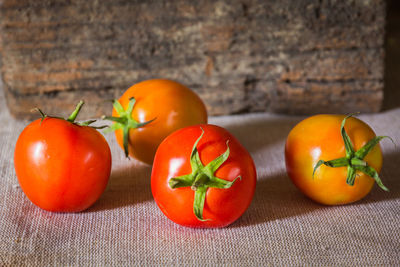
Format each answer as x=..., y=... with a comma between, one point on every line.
x=303, y=56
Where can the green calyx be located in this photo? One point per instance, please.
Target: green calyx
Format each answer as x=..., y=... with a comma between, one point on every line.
x=71, y=117
x=202, y=178
x=124, y=121
x=354, y=160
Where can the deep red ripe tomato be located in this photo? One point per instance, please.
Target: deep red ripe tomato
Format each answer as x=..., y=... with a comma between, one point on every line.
x=203, y=177
x=333, y=159
x=62, y=166
x=151, y=110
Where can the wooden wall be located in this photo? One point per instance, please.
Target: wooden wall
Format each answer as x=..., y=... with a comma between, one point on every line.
x=297, y=57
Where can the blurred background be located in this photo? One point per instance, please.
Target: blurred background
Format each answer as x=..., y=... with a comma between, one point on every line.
x=292, y=57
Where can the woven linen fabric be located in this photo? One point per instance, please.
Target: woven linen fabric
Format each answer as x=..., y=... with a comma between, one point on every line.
x=281, y=228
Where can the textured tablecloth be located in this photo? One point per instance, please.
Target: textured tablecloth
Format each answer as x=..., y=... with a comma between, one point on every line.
x=281, y=227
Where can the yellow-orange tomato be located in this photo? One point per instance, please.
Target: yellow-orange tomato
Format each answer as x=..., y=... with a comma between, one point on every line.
x=167, y=105
x=319, y=138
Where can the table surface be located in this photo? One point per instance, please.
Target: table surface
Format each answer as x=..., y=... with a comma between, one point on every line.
x=281, y=227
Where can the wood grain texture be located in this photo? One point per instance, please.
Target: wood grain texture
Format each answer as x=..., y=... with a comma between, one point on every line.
x=298, y=57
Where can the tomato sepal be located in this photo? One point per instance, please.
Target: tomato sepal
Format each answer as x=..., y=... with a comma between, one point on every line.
x=346, y=139
x=89, y=122
x=362, y=152
x=198, y=203
x=373, y=173
x=42, y=114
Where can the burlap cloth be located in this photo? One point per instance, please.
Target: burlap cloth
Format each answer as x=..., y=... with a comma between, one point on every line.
x=281, y=227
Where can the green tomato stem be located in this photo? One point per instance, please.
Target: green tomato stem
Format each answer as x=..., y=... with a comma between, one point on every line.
x=202, y=178
x=125, y=122
x=72, y=117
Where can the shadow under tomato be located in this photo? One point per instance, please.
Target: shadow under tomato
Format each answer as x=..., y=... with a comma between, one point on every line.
x=276, y=198
x=128, y=185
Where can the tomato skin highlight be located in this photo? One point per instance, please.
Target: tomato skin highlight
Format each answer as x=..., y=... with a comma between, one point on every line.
x=318, y=137
x=61, y=166
x=222, y=206
x=171, y=104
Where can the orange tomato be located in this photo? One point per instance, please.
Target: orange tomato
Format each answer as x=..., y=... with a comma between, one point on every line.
x=158, y=108
x=330, y=164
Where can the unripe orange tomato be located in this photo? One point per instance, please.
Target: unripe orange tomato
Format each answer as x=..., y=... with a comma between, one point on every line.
x=333, y=159
x=151, y=110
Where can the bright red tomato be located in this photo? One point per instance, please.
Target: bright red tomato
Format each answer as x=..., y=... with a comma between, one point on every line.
x=151, y=110
x=61, y=165
x=203, y=177
x=333, y=159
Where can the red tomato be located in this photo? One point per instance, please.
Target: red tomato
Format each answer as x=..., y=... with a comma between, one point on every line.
x=203, y=177
x=62, y=166
x=333, y=159
x=151, y=110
